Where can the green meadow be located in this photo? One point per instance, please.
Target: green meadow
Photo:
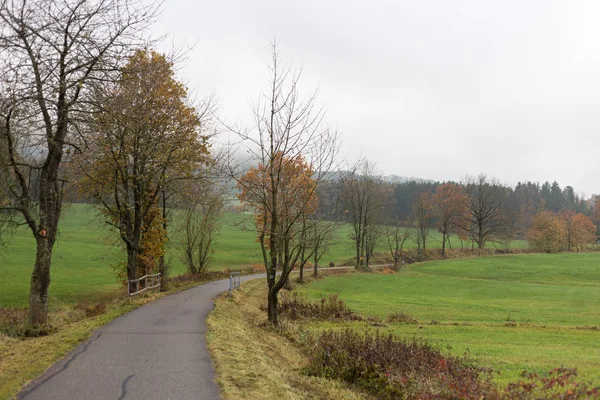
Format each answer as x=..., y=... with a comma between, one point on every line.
x=86, y=252
x=513, y=313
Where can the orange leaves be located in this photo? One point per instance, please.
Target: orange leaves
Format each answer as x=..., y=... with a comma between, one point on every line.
x=552, y=232
x=548, y=232
x=449, y=205
x=283, y=188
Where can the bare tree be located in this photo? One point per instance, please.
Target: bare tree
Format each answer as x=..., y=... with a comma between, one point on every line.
x=323, y=233
x=487, y=203
x=364, y=201
x=449, y=207
x=294, y=151
x=202, y=212
x=53, y=52
x=422, y=216
x=396, y=236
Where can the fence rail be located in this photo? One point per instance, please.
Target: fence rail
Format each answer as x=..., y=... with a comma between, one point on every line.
x=154, y=283
x=234, y=281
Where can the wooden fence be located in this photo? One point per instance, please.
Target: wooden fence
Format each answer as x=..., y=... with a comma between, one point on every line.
x=150, y=282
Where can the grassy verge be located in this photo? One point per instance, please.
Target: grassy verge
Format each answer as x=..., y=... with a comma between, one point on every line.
x=254, y=361
x=513, y=313
x=324, y=350
x=24, y=359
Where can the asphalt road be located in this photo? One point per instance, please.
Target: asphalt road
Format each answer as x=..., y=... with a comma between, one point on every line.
x=157, y=351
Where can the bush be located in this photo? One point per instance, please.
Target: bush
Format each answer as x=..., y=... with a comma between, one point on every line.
x=390, y=368
x=560, y=383
x=331, y=264
x=14, y=322
x=296, y=307
x=91, y=310
x=401, y=317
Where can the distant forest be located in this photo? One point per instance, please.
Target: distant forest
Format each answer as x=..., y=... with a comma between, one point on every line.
x=524, y=200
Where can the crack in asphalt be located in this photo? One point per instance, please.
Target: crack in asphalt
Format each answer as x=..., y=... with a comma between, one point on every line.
x=25, y=393
x=124, y=387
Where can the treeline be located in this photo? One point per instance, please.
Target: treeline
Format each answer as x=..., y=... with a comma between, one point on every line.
x=477, y=210
x=524, y=200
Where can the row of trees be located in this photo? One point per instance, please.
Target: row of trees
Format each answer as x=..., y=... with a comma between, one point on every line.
x=478, y=210
x=524, y=200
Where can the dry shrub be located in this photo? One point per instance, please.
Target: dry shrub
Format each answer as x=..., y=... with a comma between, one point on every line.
x=296, y=307
x=560, y=383
x=401, y=317
x=391, y=368
x=14, y=322
x=257, y=268
x=91, y=310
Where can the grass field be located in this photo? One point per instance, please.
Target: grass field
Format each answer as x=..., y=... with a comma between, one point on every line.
x=85, y=252
x=514, y=313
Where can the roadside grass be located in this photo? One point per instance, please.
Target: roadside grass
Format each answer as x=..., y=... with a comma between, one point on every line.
x=22, y=360
x=513, y=313
x=254, y=361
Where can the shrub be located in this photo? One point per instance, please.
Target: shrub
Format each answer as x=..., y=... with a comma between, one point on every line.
x=91, y=310
x=560, y=383
x=296, y=306
x=14, y=322
x=401, y=317
x=391, y=368
x=331, y=264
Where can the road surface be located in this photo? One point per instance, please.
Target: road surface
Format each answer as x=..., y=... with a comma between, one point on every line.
x=157, y=351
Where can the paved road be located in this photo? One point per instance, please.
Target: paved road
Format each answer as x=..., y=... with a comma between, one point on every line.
x=157, y=351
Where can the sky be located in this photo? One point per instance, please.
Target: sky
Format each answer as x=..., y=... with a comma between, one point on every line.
x=437, y=89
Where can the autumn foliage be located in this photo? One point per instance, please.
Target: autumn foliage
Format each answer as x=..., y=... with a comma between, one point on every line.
x=295, y=193
x=553, y=232
x=450, y=209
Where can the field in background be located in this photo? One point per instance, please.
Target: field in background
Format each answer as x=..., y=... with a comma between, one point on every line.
x=514, y=313
x=85, y=252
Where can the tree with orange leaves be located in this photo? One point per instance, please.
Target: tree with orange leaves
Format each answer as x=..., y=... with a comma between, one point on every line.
x=295, y=151
x=295, y=199
x=548, y=232
x=580, y=229
x=449, y=206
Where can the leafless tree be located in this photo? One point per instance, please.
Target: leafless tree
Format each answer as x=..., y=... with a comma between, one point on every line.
x=365, y=198
x=201, y=215
x=289, y=134
x=53, y=52
x=487, y=203
x=323, y=234
x=422, y=216
x=396, y=236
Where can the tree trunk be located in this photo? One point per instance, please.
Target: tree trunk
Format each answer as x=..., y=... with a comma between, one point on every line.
x=272, y=307
x=316, y=266
x=357, y=253
x=131, y=267
x=302, y=262
x=49, y=207
x=443, y=244
x=162, y=266
x=40, y=282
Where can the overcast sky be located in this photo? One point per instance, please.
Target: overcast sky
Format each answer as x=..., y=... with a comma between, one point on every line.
x=433, y=89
